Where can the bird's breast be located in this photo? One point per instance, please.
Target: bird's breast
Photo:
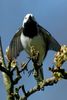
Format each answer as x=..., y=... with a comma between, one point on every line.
x=38, y=44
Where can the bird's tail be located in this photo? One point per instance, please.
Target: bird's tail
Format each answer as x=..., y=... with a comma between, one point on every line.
x=38, y=75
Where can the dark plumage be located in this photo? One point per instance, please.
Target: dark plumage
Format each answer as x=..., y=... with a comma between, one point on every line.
x=30, y=28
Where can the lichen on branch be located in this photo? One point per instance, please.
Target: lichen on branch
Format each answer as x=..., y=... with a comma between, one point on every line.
x=61, y=56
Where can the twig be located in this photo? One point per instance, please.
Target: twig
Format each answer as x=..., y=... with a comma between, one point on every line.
x=48, y=82
x=24, y=66
x=1, y=49
x=3, y=69
x=7, y=78
x=62, y=73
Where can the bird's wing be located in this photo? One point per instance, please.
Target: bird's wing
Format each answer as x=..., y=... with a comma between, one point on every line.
x=52, y=44
x=15, y=46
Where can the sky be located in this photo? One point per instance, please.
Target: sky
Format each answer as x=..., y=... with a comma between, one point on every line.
x=52, y=15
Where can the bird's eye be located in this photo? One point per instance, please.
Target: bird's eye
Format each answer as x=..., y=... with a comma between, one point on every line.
x=25, y=18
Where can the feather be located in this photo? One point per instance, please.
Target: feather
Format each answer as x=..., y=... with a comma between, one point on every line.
x=51, y=42
x=15, y=46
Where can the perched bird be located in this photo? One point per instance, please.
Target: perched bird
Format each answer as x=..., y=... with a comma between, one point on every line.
x=32, y=34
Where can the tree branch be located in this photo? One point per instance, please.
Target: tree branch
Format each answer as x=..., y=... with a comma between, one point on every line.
x=58, y=73
x=3, y=69
x=7, y=73
x=6, y=77
x=48, y=82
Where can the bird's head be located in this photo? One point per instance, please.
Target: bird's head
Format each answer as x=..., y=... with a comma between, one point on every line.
x=28, y=18
x=29, y=26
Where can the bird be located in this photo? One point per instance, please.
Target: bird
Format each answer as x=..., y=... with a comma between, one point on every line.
x=31, y=33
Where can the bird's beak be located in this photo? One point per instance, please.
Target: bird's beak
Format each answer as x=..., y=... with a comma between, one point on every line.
x=30, y=18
